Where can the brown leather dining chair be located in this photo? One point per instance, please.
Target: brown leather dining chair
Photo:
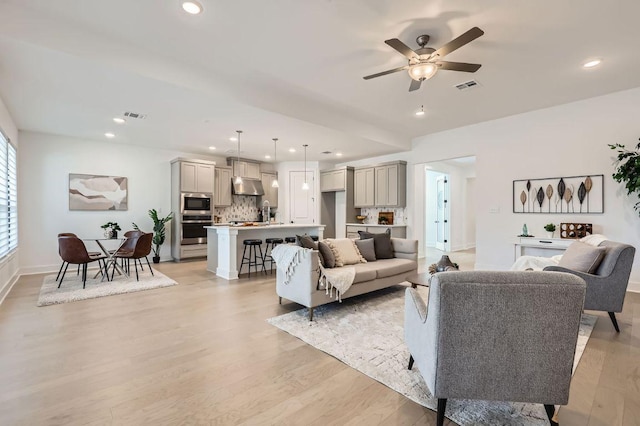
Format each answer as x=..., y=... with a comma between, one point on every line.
x=129, y=243
x=142, y=249
x=73, y=251
x=71, y=234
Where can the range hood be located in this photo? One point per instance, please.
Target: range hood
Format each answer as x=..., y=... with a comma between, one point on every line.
x=247, y=187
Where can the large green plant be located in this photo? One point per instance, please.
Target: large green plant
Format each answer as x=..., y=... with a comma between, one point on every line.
x=628, y=169
x=159, y=232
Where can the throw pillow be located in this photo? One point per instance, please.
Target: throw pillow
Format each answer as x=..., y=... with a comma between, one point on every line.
x=381, y=243
x=307, y=242
x=582, y=257
x=366, y=249
x=327, y=258
x=345, y=251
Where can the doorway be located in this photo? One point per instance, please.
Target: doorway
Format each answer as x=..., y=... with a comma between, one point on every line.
x=449, y=205
x=302, y=202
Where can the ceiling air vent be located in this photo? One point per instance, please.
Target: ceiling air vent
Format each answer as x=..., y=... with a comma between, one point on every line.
x=135, y=115
x=467, y=85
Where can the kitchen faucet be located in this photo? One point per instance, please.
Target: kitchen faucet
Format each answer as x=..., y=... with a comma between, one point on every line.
x=266, y=211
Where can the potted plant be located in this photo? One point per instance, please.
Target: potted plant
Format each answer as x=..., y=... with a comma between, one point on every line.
x=159, y=232
x=550, y=228
x=111, y=229
x=628, y=170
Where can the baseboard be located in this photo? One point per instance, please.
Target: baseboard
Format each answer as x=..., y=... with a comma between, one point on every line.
x=4, y=291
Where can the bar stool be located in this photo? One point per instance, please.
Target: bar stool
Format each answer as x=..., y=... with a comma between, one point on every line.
x=271, y=243
x=290, y=240
x=252, y=259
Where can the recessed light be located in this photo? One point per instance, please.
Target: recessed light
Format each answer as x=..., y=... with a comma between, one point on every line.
x=420, y=112
x=267, y=156
x=292, y=150
x=192, y=7
x=338, y=154
x=233, y=139
x=212, y=148
x=119, y=120
x=592, y=63
x=110, y=135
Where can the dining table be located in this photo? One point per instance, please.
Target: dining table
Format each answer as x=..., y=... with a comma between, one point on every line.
x=111, y=259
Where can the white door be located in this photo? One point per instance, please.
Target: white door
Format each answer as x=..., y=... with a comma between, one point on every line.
x=302, y=202
x=442, y=213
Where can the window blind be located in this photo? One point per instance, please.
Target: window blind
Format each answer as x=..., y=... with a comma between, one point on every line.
x=8, y=197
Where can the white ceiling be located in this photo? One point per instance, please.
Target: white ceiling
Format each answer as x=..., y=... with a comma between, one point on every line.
x=293, y=69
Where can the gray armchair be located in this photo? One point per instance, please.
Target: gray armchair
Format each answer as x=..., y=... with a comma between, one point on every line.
x=607, y=287
x=502, y=336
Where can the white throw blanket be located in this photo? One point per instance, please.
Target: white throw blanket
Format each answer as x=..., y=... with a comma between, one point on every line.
x=287, y=257
x=538, y=263
x=339, y=279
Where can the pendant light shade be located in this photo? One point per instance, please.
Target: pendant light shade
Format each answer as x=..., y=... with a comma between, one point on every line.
x=275, y=184
x=305, y=185
x=238, y=178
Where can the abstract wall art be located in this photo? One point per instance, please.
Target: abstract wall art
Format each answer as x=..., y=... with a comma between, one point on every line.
x=94, y=192
x=568, y=195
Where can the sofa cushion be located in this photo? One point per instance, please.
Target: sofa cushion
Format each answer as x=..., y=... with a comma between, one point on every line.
x=582, y=257
x=345, y=251
x=307, y=242
x=364, y=272
x=381, y=243
x=327, y=259
x=367, y=249
x=390, y=267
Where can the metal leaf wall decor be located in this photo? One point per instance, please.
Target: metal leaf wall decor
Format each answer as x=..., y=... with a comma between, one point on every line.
x=566, y=195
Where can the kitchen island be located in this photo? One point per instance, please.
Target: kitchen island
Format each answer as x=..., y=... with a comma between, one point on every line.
x=224, y=243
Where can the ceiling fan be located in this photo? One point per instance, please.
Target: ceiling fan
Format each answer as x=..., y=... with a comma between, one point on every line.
x=425, y=61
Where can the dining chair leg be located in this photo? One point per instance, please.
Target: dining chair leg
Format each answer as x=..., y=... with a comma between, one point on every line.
x=136, y=265
x=84, y=275
x=62, y=277
x=140, y=262
x=61, y=266
x=150, y=268
x=78, y=273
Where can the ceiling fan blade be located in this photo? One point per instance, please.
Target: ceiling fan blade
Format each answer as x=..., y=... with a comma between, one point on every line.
x=458, y=66
x=458, y=42
x=380, y=74
x=402, y=48
x=415, y=85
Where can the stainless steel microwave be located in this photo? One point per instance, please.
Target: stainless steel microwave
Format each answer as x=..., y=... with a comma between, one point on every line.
x=195, y=203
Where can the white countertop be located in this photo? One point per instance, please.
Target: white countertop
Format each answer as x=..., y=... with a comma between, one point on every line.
x=375, y=224
x=270, y=226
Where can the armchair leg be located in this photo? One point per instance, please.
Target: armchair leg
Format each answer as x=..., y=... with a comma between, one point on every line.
x=612, y=315
x=410, y=362
x=280, y=300
x=442, y=405
x=310, y=314
x=550, y=409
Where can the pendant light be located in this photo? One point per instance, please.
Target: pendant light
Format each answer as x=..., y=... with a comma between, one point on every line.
x=305, y=185
x=238, y=180
x=275, y=184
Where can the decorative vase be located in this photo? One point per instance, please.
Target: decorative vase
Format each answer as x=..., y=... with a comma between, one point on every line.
x=549, y=234
x=108, y=233
x=114, y=233
x=444, y=263
x=156, y=259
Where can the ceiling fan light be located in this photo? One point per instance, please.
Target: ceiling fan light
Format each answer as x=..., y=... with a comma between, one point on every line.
x=421, y=72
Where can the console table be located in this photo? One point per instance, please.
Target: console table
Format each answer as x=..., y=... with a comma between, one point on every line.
x=544, y=247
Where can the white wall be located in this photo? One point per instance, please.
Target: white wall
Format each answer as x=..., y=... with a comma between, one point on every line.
x=9, y=265
x=44, y=164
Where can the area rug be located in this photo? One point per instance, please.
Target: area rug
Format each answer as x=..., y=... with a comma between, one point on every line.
x=71, y=289
x=367, y=334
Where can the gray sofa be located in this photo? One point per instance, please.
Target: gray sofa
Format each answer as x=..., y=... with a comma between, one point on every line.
x=303, y=285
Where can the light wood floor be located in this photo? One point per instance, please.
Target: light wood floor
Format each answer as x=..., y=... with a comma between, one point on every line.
x=202, y=353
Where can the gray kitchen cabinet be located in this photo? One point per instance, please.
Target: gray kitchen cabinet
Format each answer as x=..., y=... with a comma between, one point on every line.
x=333, y=180
x=270, y=193
x=246, y=169
x=196, y=177
x=222, y=195
x=391, y=185
x=364, y=184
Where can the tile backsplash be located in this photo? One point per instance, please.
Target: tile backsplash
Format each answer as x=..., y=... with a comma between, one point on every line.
x=371, y=213
x=243, y=207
